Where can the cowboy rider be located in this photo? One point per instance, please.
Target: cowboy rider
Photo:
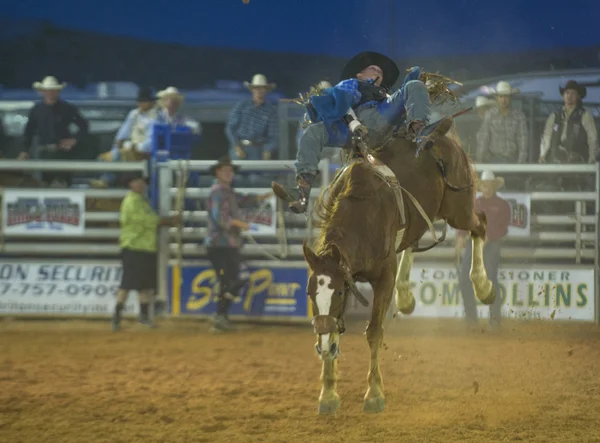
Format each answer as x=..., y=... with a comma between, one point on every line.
x=357, y=104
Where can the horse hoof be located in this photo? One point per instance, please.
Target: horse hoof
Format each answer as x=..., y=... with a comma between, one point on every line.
x=327, y=407
x=490, y=297
x=374, y=405
x=411, y=308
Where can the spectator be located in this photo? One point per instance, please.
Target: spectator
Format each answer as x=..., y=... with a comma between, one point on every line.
x=503, y=135
x=570, y=134
x=132, y=142
x=170, y=100
x=252, y=124
x=138, y=248
x=50, y=121
x=224, y=240
x=498, y=213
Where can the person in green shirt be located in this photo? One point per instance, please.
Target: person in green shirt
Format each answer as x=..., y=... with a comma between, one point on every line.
x=138, y=245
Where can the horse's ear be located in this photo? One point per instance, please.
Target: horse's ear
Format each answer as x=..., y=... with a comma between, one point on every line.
x=309, y=255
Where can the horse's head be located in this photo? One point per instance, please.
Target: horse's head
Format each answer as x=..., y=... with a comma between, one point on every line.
x=329, y=285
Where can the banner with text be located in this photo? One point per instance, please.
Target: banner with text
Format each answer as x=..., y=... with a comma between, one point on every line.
x=43, y=212
x=273, y=292
x=524, y=293
x=65, y=289
x=262, y=217
x=520, y=206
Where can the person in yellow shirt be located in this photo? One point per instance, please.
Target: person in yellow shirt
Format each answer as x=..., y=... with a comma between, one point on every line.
x=138, y=245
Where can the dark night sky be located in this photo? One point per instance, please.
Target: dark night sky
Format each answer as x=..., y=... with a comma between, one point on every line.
x=334, y=27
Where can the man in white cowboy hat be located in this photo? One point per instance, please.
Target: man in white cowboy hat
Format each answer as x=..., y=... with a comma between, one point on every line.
x=498, y=213
x=570, y=134
x=482, y=105
x=169, y=101
x=132, y=141
x=503, y=136
x=252, y=124
x=50, y=121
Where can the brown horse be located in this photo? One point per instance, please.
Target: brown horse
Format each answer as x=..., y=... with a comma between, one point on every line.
x=361, y=233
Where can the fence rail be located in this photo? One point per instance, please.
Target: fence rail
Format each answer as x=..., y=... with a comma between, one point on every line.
x=567, y=237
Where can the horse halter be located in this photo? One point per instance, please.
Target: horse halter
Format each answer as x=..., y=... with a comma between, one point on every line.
x=327, y=324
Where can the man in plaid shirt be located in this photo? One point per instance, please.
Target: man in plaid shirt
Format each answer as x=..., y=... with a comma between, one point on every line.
x=503, y=135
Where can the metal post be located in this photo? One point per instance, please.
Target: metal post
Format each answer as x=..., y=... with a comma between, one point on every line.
x=597, y=238
x=578, y=214
x=284, y=129
x=165, y=178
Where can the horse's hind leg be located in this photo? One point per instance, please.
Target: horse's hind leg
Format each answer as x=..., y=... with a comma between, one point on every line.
x=383, y=289
x=405, y=299
x=482, y=286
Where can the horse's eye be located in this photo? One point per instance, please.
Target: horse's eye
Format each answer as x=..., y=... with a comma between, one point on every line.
x=340, y=293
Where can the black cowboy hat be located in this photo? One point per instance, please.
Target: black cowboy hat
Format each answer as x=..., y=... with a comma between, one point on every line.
x=572, y=84
x=223, y=161
x=145, y=94
x=366, y=59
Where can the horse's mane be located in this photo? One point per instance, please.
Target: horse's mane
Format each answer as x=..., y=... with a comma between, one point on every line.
x=356, y=183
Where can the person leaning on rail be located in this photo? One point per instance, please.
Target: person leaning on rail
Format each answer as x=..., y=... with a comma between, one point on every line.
x=138, y=245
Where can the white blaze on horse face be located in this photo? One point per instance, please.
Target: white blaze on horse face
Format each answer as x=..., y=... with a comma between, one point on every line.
x=323, y=301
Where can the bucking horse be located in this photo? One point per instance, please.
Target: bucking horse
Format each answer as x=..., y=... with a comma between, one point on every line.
x=377, y=207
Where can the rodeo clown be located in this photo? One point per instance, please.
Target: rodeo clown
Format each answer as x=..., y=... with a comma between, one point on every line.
x=360, y=103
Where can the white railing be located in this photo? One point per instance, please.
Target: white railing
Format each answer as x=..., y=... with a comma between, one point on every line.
x=567, y=238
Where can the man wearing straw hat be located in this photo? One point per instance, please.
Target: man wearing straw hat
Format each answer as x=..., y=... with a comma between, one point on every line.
x=170, y=101
x=50, y=121
x=252, y=124
x=503, y=136
x=498, y=214
x=482, y=105
x=224, y=240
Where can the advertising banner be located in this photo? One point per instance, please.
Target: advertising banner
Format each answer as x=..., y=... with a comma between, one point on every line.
x=272, y=291
x=65, y=289
x=56, y=212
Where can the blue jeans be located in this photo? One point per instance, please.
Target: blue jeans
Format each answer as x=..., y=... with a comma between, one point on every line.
x=252, y=153
x=406, y=105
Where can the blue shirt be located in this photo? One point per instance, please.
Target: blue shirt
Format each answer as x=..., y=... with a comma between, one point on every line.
x=141, y=120
x=255, y=123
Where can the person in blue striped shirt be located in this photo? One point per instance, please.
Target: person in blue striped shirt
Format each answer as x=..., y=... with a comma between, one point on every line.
x=252, y=124
x=360, y=102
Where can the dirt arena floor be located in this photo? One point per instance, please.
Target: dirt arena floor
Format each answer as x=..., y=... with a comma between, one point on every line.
x=75, y=381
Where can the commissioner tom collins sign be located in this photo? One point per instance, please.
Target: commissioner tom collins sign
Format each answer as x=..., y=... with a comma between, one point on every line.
x=524, y=293
x=66, y=289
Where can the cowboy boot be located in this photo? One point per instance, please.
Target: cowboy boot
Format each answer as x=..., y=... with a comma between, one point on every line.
x=296, y=197
x=426, y=136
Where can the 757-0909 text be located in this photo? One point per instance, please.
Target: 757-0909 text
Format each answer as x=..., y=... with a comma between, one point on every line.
x=49, y=289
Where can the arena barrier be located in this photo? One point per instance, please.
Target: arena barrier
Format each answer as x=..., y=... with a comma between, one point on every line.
x=68, y=266
x=550, y=264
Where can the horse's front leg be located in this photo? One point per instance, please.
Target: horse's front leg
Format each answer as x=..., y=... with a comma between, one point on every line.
x=383, y=289
x=405, y=299
x=328, y=349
